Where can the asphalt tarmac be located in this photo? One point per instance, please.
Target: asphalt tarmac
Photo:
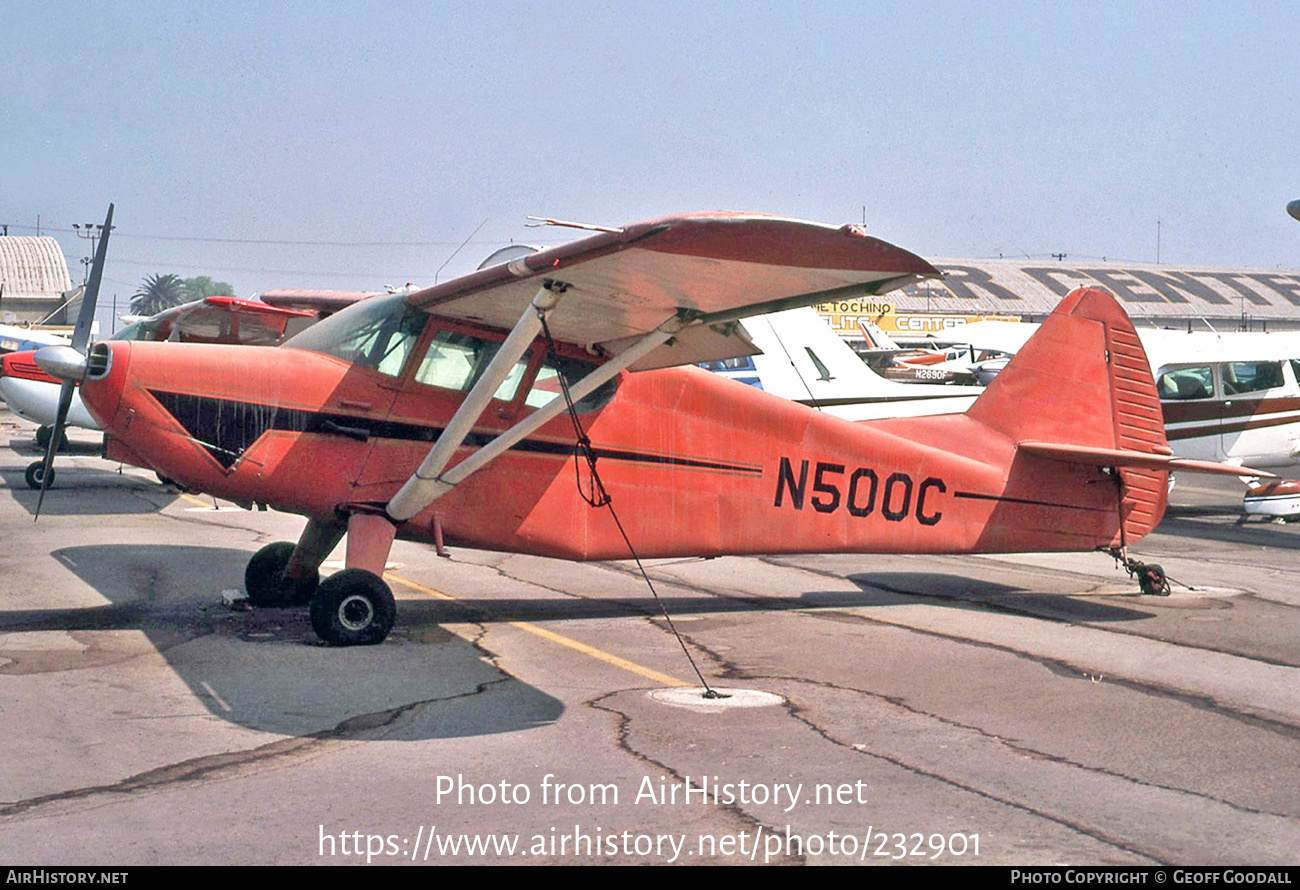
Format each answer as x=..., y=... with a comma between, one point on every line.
x=1012, y=710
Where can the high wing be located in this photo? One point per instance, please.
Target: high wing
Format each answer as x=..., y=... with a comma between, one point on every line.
x=322, y=302
x=650, y=295
x=708, y=269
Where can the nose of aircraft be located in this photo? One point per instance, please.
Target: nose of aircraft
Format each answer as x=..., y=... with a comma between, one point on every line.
x=63, y=362
x=105, y=378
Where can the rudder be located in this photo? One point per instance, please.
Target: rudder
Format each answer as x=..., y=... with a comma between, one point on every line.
x=1082, y=383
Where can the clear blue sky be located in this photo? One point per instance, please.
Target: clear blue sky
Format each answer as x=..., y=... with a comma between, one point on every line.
x=965, y=129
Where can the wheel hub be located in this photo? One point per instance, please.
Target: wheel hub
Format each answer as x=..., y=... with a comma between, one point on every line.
x=356, y=613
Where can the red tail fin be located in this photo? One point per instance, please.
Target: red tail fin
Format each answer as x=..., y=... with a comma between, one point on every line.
x=1082, y=386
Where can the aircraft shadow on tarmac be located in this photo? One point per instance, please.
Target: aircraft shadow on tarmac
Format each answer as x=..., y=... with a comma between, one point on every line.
x=1210, y=525
x=263, y=669
x=962, y=592
x=877, y=590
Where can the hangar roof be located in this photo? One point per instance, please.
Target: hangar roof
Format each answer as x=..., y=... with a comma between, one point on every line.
x=1146, y=290
x=33, y=267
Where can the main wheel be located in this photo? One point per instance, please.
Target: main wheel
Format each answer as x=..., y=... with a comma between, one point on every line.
x=265, y=583
x=34, y=473
x=353, y=608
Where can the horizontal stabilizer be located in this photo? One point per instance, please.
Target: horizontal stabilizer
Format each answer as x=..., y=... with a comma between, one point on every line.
x=1121, y=457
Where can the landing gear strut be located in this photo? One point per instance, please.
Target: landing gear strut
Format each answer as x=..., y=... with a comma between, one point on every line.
x=353, y=607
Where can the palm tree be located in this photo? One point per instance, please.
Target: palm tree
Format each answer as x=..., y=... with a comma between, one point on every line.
x=156, y=293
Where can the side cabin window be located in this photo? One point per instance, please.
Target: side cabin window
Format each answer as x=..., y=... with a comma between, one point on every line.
x=378, y=333
x=456, y=360
x=1244, y=377
x=1182, y=384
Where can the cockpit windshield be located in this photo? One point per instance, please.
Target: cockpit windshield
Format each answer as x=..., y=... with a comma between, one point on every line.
x=378, y=333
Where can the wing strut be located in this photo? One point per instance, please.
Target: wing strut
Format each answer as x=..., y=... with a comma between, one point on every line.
x=462, y=422
x=429, y=482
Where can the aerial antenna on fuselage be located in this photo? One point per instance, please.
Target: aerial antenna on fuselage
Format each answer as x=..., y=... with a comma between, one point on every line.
x=458, y=249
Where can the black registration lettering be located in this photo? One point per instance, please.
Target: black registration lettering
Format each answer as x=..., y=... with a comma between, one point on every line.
x=896, y=503
x=925, y=488
x=821, y=486
x=857, y=507
x=897, y=480
x=785, y=479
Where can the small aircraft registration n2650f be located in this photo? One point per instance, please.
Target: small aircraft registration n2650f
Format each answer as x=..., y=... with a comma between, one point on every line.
x=437, y=416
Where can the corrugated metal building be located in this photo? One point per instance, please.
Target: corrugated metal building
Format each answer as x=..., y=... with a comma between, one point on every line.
x=35, y=277
x=1162, y=293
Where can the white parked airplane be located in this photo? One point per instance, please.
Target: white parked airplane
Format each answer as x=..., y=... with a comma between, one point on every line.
x=805, y=361
x=1228, y=398
x=20, y=339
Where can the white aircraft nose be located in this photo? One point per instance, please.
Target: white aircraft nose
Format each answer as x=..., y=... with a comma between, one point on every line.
x=63, y=362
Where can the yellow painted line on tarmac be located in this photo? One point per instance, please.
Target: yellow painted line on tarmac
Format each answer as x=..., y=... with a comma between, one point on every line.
x=193, y=500
x=560, y=639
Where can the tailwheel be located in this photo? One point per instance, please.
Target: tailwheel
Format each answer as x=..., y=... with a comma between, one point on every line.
x=35, y=473
x=266, y=585
x=353, y=607
x=1152, y=579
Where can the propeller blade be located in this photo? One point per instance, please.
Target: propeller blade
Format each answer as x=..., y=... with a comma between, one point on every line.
x=86, y=318
x=80, y=340
x=47, y=468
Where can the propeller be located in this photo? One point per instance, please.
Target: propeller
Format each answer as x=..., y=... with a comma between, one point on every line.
x=68, y=363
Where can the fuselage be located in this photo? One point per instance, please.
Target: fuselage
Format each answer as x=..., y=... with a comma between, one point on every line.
x=696, y=465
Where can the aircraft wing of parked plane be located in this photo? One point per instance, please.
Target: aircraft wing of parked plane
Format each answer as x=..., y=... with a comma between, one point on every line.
x=453, y=413
x=803, y=360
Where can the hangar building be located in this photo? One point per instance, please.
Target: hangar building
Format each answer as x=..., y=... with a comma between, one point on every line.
x=35, y=278
x=1164, y=295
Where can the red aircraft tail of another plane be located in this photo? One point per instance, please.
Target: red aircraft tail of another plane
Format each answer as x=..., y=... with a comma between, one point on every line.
x=1081, y=391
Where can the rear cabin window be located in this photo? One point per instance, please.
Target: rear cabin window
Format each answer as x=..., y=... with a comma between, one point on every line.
x=1186, y=383
x=546, y=386
x=1242, y=377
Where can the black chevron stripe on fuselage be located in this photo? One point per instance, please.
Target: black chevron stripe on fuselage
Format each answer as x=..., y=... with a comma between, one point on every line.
x=226, y=428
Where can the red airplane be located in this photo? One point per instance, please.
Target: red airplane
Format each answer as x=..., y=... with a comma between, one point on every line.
x=436, y=416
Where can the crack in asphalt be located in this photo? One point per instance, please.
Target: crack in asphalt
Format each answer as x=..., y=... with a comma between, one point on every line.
x=798, y=714
x=623, y=742
x=218, y=767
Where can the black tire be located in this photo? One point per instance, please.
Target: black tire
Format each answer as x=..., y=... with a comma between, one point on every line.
x=1152, y=581
x=353, y=608
x=45, y=433
x=34, y=474
x=264, y=580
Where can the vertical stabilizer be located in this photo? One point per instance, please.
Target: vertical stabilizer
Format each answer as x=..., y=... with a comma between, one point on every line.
x=1083, y=382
